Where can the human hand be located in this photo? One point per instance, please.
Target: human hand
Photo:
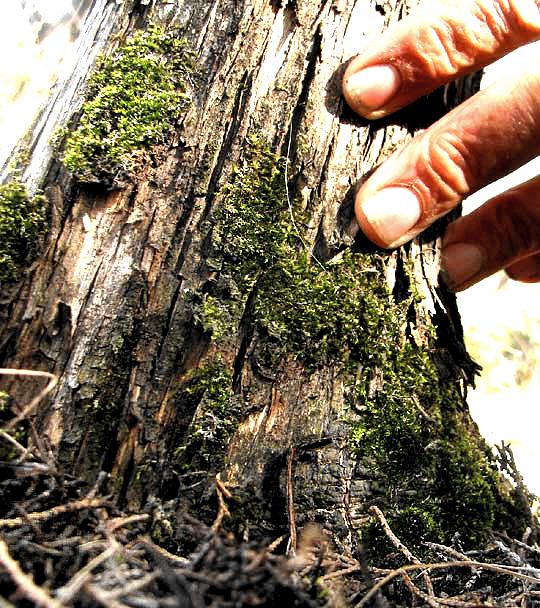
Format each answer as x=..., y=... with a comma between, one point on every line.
x=483, y=139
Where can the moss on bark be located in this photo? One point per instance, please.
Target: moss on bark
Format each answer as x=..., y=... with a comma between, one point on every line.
x=133, y=99
x=23, y=222
x=409, y=425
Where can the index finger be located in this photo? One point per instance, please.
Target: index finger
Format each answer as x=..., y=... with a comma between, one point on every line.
x=437, y=43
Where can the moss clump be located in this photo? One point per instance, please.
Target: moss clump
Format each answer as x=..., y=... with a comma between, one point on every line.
x=414, y=525
x=326, y=314
x=218, y=312
x=133, y=99
x=213, y=382
x=253, y=230
x=311, y=310
x=436, y=478
x=23, y=221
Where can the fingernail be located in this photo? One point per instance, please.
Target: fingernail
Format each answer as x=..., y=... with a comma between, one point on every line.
x=460, y=262
x=391, y=213
x=373, y=87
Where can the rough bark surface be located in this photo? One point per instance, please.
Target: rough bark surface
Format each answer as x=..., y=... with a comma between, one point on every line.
x=109, y=308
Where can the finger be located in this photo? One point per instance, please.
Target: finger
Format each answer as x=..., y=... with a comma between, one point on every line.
x=526, y=270
x=502, y=233
x=434, y=45
x=483, y=139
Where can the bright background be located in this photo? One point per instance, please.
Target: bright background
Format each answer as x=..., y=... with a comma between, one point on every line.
x=35, y=36
x=501, y=318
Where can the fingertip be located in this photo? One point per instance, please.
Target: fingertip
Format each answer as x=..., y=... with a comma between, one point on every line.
x=462, y=264
x=526, y=270
x=370, y=89
x=388, y=216
x=366, y=226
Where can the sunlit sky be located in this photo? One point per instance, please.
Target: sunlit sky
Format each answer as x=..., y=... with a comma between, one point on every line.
x=489, y=310
x=28, y=70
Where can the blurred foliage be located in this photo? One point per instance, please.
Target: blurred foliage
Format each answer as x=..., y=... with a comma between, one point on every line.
x=509, y=355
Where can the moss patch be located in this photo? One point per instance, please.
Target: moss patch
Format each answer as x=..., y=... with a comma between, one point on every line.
x=23, y=221
x=436, y=478
x=336, y=313
x=253, y=231
x=438, y=482
x=133, y=99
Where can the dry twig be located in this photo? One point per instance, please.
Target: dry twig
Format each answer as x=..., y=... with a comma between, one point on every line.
x=454, y=603
x=223, y=511
x=14, y=442
x=117, y=523
x=25, y=584
x=41, y=516
x=68, y=591
x=450, y=551
x=163, y=553
x=399, y=545
x=27, y=410
x=291, y=549
x=342, y=572
x=443, y=565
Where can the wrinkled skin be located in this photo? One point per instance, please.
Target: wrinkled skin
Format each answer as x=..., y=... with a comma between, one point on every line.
x=483, y=139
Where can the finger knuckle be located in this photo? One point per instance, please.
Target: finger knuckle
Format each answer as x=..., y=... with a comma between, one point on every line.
x=460, y=36
x=515, y=222
x=445, y=170
x=507, y=23
x=518, y=18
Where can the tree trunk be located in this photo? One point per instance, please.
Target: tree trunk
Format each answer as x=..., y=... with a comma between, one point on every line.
x=212, y=310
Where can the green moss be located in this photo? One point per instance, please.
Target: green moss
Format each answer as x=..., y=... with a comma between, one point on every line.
x=217, y=313
x=410, y=426
x=253, y=229
x=246, y=512
x=414, y=525
x=19, y=161
x=467, y=487
x=415, y=437
x=23, y=221
x=133, y=99
x=303, y=308
x=162, y=531
x=325, y=314
x=213, y=382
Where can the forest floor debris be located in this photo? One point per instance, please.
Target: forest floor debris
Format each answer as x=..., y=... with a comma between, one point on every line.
x=60, y=548
x=63, y=546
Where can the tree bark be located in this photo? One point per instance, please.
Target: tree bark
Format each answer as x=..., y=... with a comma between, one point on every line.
x=173, y=368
